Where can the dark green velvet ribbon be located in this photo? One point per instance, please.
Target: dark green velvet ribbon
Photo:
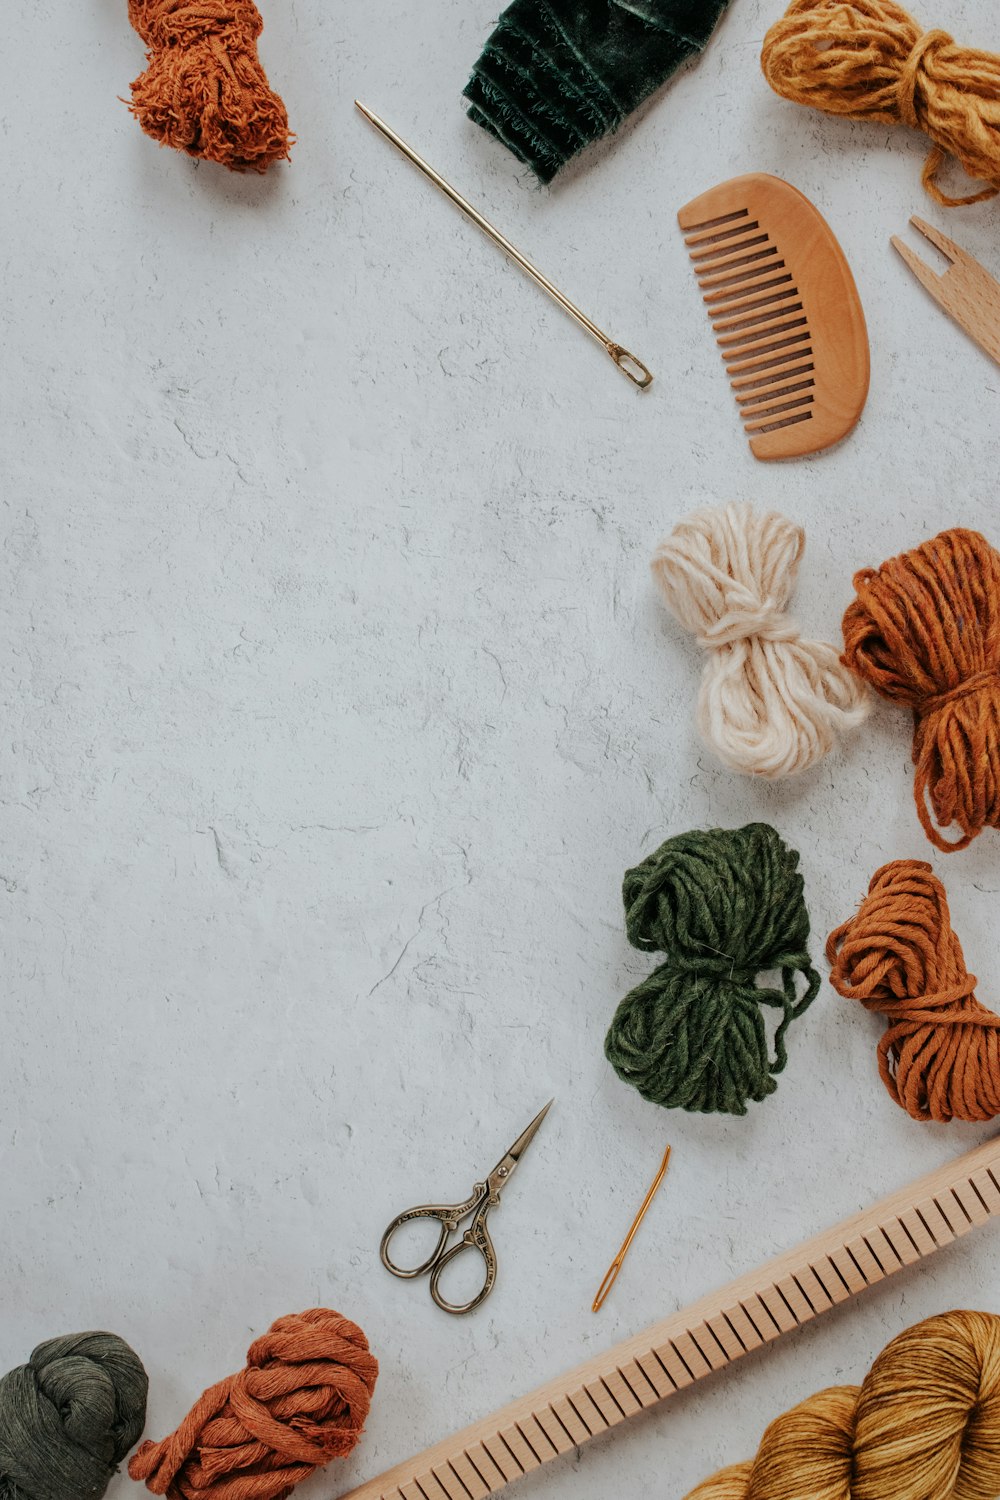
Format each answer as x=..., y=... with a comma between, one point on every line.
x=558, y=74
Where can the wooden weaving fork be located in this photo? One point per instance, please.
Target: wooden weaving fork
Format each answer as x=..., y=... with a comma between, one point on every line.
x=966, y=291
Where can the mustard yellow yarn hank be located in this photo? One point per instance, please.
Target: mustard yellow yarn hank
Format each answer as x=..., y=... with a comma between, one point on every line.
x=870, y=60
x=923, y=1425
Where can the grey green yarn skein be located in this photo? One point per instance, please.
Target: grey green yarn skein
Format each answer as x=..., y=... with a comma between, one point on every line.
x=69, y=1416
x=723, y=906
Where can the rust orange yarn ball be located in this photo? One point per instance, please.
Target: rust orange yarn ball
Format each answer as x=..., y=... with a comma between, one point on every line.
x=924, y=631
x=204, y=90
x=899, y=955
x=301, y=1401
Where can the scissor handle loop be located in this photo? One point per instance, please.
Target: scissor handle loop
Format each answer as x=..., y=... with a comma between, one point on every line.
x=450, y=1215
x=448, y=1223
x=477, y=1238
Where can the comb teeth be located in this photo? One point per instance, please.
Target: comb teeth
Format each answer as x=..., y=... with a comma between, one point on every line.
x=758, y=318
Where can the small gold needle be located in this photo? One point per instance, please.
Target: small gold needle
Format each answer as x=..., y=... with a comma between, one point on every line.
x=626, y=362
x=616, y=1265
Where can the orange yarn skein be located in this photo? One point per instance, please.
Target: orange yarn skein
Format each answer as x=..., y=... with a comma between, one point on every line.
x=301, y=1401
x=869, y=60
x=205, y=91
x=939, y=1056
x=924, y=630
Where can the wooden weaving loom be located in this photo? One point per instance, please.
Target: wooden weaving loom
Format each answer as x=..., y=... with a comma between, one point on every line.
x=687, y=1345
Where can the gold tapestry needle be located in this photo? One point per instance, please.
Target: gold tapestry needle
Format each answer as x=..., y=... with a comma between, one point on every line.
x=616, y=1265
x=626, y=362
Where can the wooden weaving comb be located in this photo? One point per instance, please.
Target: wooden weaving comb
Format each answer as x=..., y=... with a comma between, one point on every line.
x=785, y=310
x=966, y=291
x=685, y=1346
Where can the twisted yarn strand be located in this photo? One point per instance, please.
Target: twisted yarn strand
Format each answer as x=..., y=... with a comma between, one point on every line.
x=723, y=906
x=301, y=1401
x=869, y=60
x=923, y=1425
x=770, y=703
x=924, y=631
x=204, y=91
x=939, y=1056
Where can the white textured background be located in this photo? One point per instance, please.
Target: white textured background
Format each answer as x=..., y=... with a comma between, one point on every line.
x=337, y=700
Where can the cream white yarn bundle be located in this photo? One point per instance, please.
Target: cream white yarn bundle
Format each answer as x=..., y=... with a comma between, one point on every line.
x=770, y=703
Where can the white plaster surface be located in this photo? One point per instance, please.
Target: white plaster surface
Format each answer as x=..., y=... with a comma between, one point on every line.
x=337, y=700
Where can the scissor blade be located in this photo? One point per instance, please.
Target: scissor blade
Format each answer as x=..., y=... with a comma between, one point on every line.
x=513, y=1155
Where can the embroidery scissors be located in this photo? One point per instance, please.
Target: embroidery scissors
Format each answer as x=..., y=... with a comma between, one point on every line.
x=484, y=1196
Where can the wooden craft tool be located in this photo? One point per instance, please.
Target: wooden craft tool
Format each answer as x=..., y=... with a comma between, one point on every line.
x=626, y=362
x=785, y=310
x=685, y=1346
x=966, y=291
x=611, y=1274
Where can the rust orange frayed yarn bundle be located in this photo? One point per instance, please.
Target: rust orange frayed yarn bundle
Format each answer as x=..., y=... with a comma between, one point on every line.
x=301, y=1401
x=924, y=631
x=204, y=90
x=869, y=60
x=939, y=1056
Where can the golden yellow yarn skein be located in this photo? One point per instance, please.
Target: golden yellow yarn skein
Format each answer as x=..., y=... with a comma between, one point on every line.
x=870, y=60
x=924, y=1425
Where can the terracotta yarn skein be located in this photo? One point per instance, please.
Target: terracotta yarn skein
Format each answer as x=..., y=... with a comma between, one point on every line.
x=301, y=1401
x=869, y=60
x=204, y=91
x=924, y=631
x=939, y=1056
x=923, y=1425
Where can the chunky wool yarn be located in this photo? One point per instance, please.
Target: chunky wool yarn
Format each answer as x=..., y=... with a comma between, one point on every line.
x=939, y=1056
x=301, y=1401
x=556, y=75
x=204, y=90
x=924, y=631
x=69, y=1416
x=770, y=703
x=869, y=60
x=923, y=1425
x=723, y=906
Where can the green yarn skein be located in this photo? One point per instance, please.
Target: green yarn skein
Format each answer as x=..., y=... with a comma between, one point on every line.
x=723, y=906
x=69, y=1416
